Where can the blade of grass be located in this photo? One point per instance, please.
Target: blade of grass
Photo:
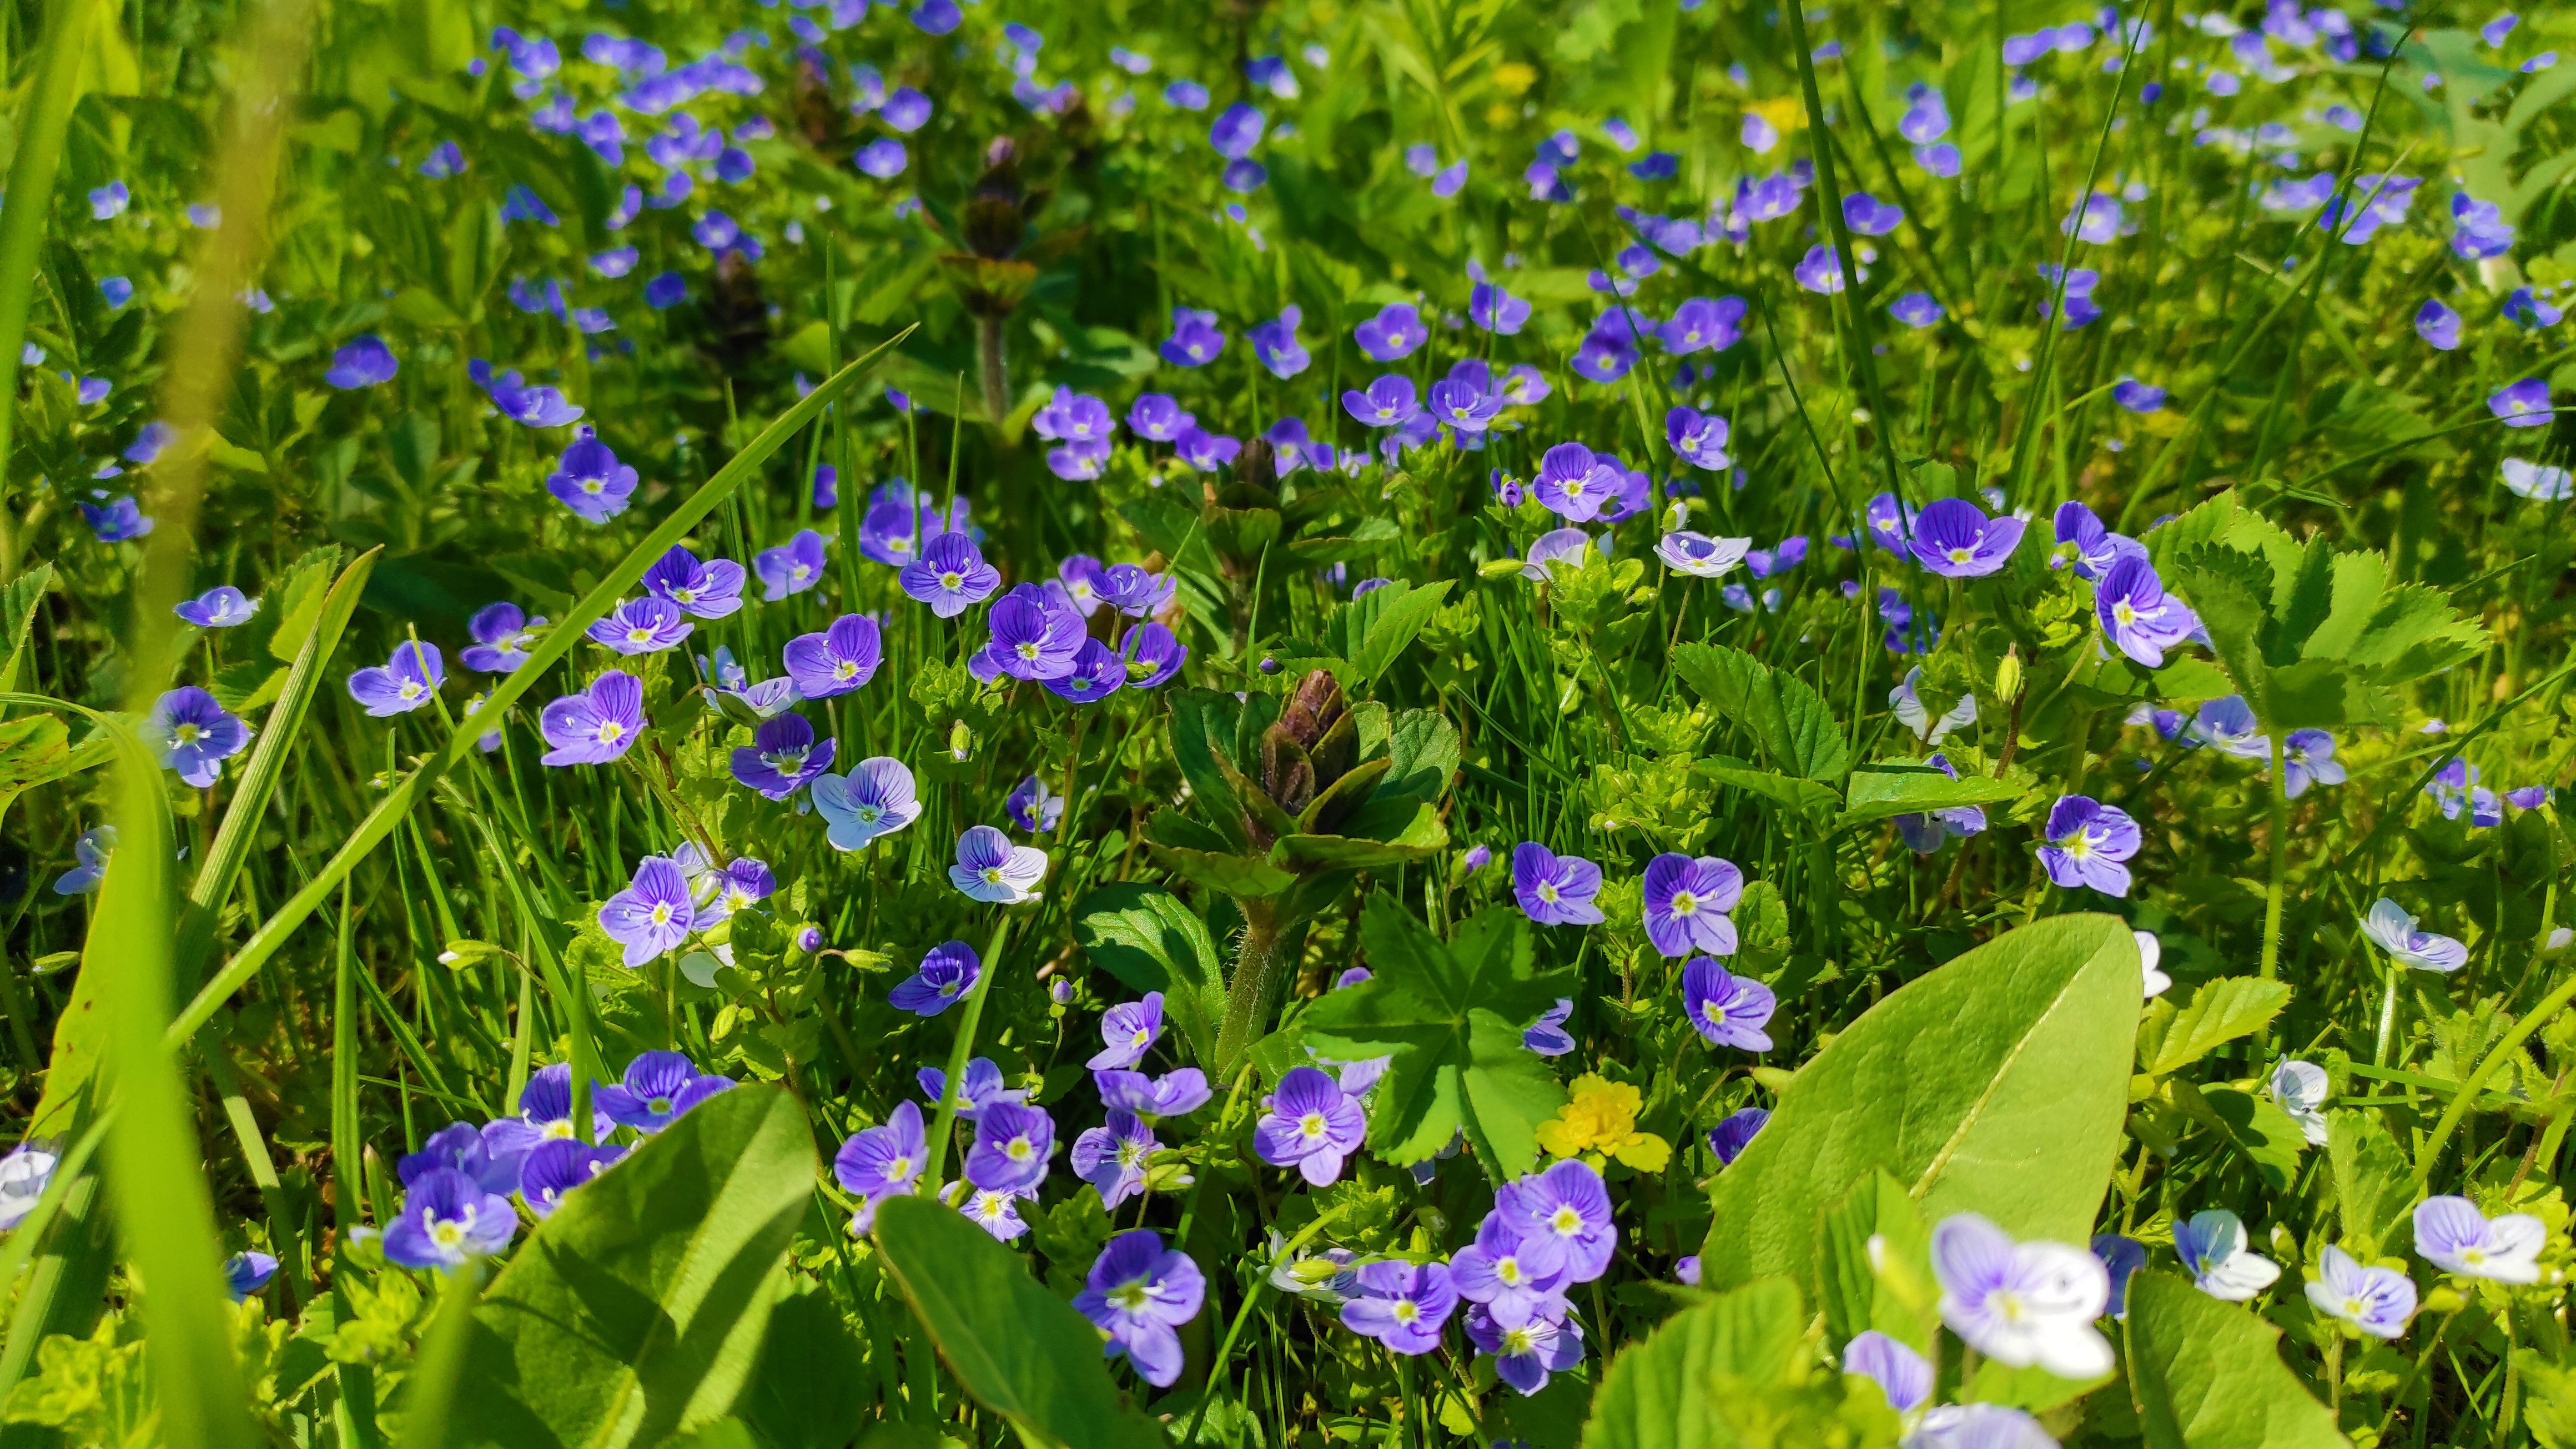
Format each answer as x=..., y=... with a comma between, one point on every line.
x=416, y=786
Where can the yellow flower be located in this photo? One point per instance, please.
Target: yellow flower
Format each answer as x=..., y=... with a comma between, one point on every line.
x=1602, y=1118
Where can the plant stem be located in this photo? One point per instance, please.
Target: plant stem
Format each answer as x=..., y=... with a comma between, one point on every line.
x=962, y=1053
x=1248, y=994
x=2280, y=857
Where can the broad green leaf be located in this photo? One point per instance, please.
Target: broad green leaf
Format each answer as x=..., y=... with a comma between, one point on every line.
x=2032, y=1387
x=2219, y=1012
x=2374, y=1190
x=1204, y=724
x=1423, y=750
x=812, y=1384
x=637, y=1311
x=1394, y=625
x=2208, y=1375
x=1021, y=1351
x=2550, y=1411
x=18, y=621
x=1249, y=876
x=1814, y=801
x=1889, y=1286
x=37, y=750
x=1996, y=1084
x=1422, y=835
x=1879, y=791
x=1451, y=1015
x=1785, y=716
x=2255, y=1126
x=1150, y=939
x=1737, y=1370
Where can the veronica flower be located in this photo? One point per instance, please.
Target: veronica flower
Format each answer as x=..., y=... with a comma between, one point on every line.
x=644, y=625
x=981, y=1087
x=1686, y=904
x=1128, y=1031
x=117, y=520
x=24, y=1175
x=535, y=407
x=2142, y=620
x=654, y=914
x=247, y=1273
x=1032, y=808
x=2136, y=396
x=553, y=1169
x=1138, y=1292
x=1308, y=1122
x=2523, y=404
x=874, y=799
x=1955, y=539
x=1012, y=1144
x=1765, y=562
x=2378, y=1301
x=1176, y=1093
x=192, y=734
x=1697, y=439
x=91, y=851
x=991, y=869
x=1927, y=831
x=597, y=725
x=1402, y=1305
x=882, y=1162
x=2022, y=1303
x=1605, y=354
x=1195, y=340
x=1730, y=1137
x=1564, y=1219
x=1912, y=713
x=1820, y=271
x=657, y=1088
x=1157, y=418
x=791, y=568
x=1113, y=1158
x=947, y=973
x=2526, y=479
x=1724, y=1009
x=2087, y=843
x=951, y=575
x=544, y=1115
x=2229, y=726
x=782, y=758
x=365, y=362
x=502, y=636
x=2211, y=1245
x=1900, y=1373
x=712, y=590
x=2453, y=1235
x=1701, y=324
x=2095, y=546
x=1096, y=674
x=1555, y=890
x=1977, y=1426
x=837, y=661
x=1033, y=637
x=1869, y=216
x=2438, y=324
x=447, y=1218
x=1205, y=451
x=1699, y=555
x=590, y=481
x=1392, y=334
x=1275, y=343
x=1525, y=1356
x=1152, y=655
x=1496, y=310
x=1571, y=483
x=2299, y=1089
x=1389, y=402
x=2394, y=930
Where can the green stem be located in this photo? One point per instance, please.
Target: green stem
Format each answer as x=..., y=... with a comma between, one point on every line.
x=1243, y=1315
x=2280, y=857
x=2467, y=1092
x=1248, y=994
x=963, y=1052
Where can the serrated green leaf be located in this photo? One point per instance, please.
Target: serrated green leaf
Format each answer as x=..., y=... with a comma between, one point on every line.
x=1150, y=939
x=1423, y=749
x=1422, y=835
x=1785, y=716
x=2219, y=1012
x=1204, y=724
x=2254, y=1126
x=2208, y=1375
x=1876, y=792
x=18, y=621
x=1394, y=626
x=1248, y=876
x=2374, y=1190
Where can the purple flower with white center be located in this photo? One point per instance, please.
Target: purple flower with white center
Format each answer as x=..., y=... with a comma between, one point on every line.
x=1730, y=1137
x=1136, y=591
x=2523, y=404
x=991, y=869
x=552, y=1169
x=947, y=972
x=2394, y=930
x=446, y=1219
x=1900, y=1373
x=1401, y=1305
x=1699, y=555
x=2527, y=311
x=1555, y=890
x=1176, y=1093
x=1819, y=271
x=1012, y=1144
x=535, y=407
x=1495, y=310
x=1912, y=713
x=981, y=1088
x=1564, y=545
x=403, y=684
x=1195, y=340
x=1393, y=333
x=502, y=638
x=1571, y=482
x=2141, y=618
x=365, y=362
x=2524, y=478
x=1725, y=1009
x=1156, y=417
x=2438, y=324
x=91, y=851
x=657, y=1088
x=545, y=1115
x=1495, y=1273
x=874, y=799
x=1766, y=562
x=247, y=1273
x=1275, y=343
x=1464, y=407
x=1034, y=636
x=459, y=1147
x=2454, y=1236
x=2378, y=1301
x=589, y=480
x=792, y=567
x=883, y=158
x=1563, y=1218
x=2211, y=1245
x=1113, y=1158
x=2087, y=843
x=782, y=758
x=1927, y=831
x=1033, y=808
x=1916, y=309
x=2096, y=547
x=1152, y=655
x=654, y=914
x=951, y=575
x=1390, y=402
x=1546, y=1036
x=1138, y=1292
x=117, y=520
x=1237, y=130
x=1605, y=354
x=1686, y=905
x=1080, y=575
x=597, y=725
x=837, y=661
x=1869, y=216
x=1097, y=673
x=906, y=110
x=1698, y=438
x=1311, y=1124
x=1703, y=325
x=2480, y=230
x=1128, y=1031
x=2121, y=1257
x=1072, y=417
x=1955, y=539
x=192, y=734
x=1886, y=519
x=882, y=1162
x=2022, y=1303
x=710, y=590
x=2229, y=725
x=646, y=625
x=1526, y=1356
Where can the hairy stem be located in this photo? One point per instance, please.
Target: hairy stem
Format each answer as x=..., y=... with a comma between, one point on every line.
x=1247, y=996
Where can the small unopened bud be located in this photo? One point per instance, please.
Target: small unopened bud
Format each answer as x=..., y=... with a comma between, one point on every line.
x=1269, y=664
x=2008, y=675
x=810, y=940
x=1501, y=568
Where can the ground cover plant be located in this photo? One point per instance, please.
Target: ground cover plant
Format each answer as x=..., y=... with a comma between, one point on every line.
x=1333, y=722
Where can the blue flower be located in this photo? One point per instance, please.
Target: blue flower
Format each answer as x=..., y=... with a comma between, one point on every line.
x=192, y=734
x=782, y=758
x=365, y=362
x=1112, y=1158
x=991, y=869
x=402, y=685
x=521, y=204
x=2393, y=929
x=882, y=1162
x=117, y=520
x=646, y=625
x=876, y=798
x=1237, y=130
x=947, y=973
x=552, y=1169
x=2142, y=620
x=1275, y=344
x=446, y=1219
x=221, y=607
x=2088, y=842
x=247, y=1273
x=1012, y=1144
x=654, y=914
x=665, y=291
x=712, y=590
x=792, y=567
x=92, y=850
x=657, y=1088
x=1137, y=1293
x=590, y=481
x=838, y=660
x=1195, y=340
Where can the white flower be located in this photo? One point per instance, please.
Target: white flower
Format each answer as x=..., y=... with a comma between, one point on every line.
x=2300, y=1089
x=2151, y=954
x=2022, y=1303
x=23, y=1175
x=2212, y=1247
x=2526, y=479
x=2394, y=930
x=2452, y=1234
x=1699, y=555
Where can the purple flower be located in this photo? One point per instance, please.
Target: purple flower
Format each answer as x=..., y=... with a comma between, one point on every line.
x=1916, y=309
x=951, y=575
x=1699, y=555
x=1032, y=808
x=1157, y=418
x=1138, y=1292
x=1765, y=562
x=536, y=407
x=1869, y=216
x=597, y=725
x=1699, y=439
x=192, y=734
x=1034, y=636
x=882, y=1162
x=1819, y=271
x=996, y=1212
x=1729, y=1138
x=1012, y=1144
x=883, y=158
x=2453, y=1235
x=1401, y=1305
x=501, y=638
x=646, y=625
x=1555, y=890
x=791, y=568
x=1195, y=340
x=1129, y=1030
x=1390, y=402
x=1546, y=1036
x=2393, y=929
x=2136, y=396
x=2437, y=324
x=1525, y=1356
x=1955, y=539
x=1177, y=1092
x=907, y=110
x=1701, y=324
x=1496, y=1274
x=2141, y=618
x=654, y=914
x=1237, y=130
x=2087, y=841
x=665, y=290
x=1563, y=1218
x=1928, y=831
x=554, y=1167
x=1725, y=1009
x=1310, y=1124
x=589, y=480
x=1900, y=1373
x=447, y=1218
x=1572, y=483
x=2378, y=1301
x=1097, y=673
x=2480, y=230
x=1134, y=590
x=874, y=799
x=2523, y=404
x=1112, y=1158
x=711, y=590
x=1605, y=354
x=2022, y=1303
x=947, y=972
x=657, y=1088
x=1392, y=334
x=782, y=758
x=247, y=1273
x=365, y=362
x=118, y=520
x=1686, y=905
x=837, y=661
x=1495, y=310
x=402, y=685
x=981, y=1088
x=1152, y=655
x=991, y=869
x=1072, y=417
x=2096, y=546
x=1275, y=343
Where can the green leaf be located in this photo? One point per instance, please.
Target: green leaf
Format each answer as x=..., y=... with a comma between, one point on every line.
x=1204, y=723
x=812, y=1381
x=1423, y=749
x=18, y=620
x=2031, y=1387
x=1451, y=1016
x=1248, y=876
x=2374, y=1189
x=1150, y=939
x=637, y=1311
x=37, y=751
x=1876, y=1266
x=1806, y=797
x=2550, y=1411
x=1018, y=1349
x=1996, y=1084
x=2208, y=1375
x=1395, y=623
x=1422, y=835
x=1786, y=717
x=2255, y=1126
x=1879, y=791
x=1733, y=1371
x=2220, y=1011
